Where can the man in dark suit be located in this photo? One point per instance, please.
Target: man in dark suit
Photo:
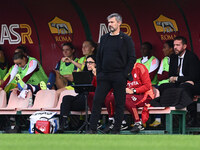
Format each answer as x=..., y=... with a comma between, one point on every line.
x=183, y=73
x=115, y=61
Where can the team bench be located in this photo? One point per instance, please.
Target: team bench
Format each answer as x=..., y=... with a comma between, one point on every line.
x=167, y=111
x=48, y=100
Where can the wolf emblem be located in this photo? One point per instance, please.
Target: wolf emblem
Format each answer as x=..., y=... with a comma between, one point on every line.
x=167, y=26
x=61, y=27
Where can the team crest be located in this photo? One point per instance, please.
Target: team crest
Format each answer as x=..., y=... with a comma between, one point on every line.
x=166, y=28
x=61, y=30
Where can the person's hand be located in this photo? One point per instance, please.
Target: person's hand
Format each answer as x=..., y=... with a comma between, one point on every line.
x=148, y=105
x=173, y=79
x=57, y=72
x=63, y=59
x=129, y=91
x=14, y=90
x=66, y=59
x=191, y=82
x=195, y=98
x=94, y=70
x=1, y=88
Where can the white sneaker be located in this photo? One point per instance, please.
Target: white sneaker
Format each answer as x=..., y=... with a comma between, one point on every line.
x=124, y=126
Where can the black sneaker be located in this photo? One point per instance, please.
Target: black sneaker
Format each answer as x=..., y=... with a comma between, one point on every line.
x=99, y=125
x=109, y=126
x=63, y=126
x=137, y=127
x=124, y=126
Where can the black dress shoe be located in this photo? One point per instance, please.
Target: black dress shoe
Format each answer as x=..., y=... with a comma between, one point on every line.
x=108, y=127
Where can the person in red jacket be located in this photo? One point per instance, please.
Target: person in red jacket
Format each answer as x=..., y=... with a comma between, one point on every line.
x=139, y=92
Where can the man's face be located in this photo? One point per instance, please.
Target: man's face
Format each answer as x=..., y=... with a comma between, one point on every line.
x=144, y=50
x=113, y=25
x=167, y=50
x=179, y=47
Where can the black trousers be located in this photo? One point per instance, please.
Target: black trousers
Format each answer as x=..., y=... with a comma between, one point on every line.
x=192, y=108
x=72, y=103
x=106, y=82
x=196, y=88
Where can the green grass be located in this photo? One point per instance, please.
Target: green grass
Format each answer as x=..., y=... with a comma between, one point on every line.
x=98, y=142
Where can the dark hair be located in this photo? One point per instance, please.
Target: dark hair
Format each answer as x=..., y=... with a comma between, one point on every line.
x=183, y=39
x=92, y=56
x=19, y=55
x=68, y=44
x=1, y=48
x=93, y=44
x=170, y=43
x=22, y=49
x=148, y=45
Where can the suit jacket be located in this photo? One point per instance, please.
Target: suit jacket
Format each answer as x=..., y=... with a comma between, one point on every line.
x=190, y=68
x=127, y=53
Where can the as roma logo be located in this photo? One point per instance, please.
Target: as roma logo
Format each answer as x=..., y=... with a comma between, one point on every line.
x=166, y=28
x=61, y=30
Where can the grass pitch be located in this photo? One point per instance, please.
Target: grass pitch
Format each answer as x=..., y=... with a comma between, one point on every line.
x=98, y=142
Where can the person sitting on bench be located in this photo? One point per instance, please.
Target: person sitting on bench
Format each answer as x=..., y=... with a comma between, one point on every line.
x=139, y=92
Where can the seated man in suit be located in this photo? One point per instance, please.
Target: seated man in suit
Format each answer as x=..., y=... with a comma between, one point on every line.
x=183, y=68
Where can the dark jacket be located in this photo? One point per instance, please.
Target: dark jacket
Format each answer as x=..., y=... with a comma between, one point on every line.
x=190, y=67
x=127, y=53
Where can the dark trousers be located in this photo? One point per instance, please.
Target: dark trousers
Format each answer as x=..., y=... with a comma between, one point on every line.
x=105, y=83
x=192, y=108
x=196, y=89
x=72, y=103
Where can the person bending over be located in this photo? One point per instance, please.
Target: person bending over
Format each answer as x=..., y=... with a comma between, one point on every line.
x=27, y=72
